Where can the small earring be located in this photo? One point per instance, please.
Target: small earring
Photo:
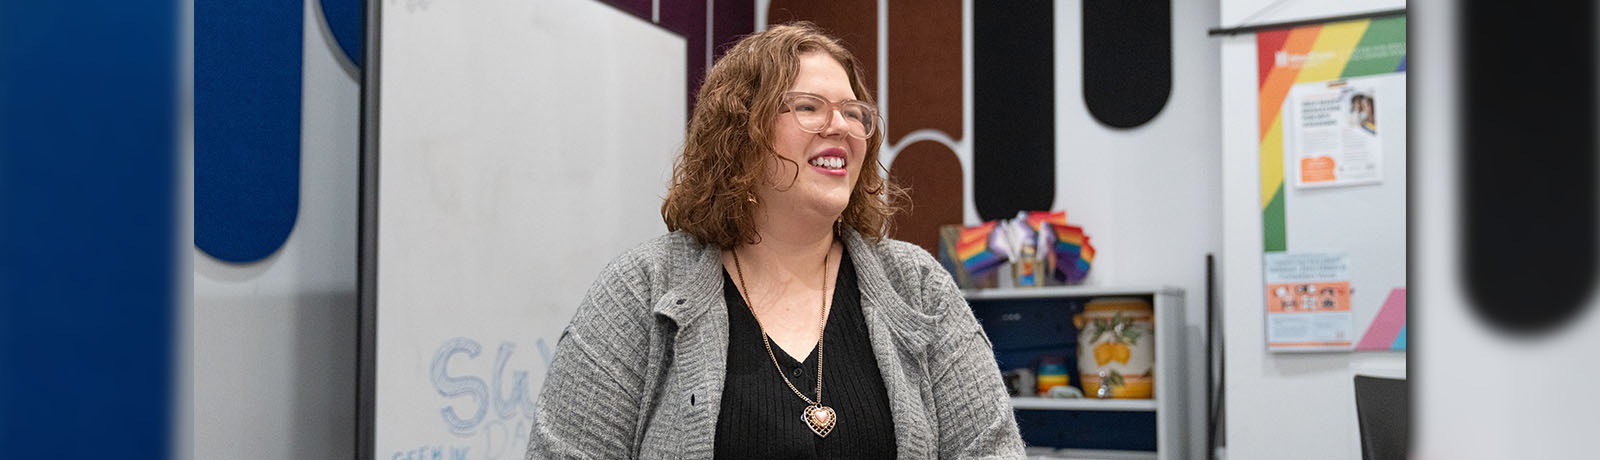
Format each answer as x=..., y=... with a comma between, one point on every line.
x=751, y=197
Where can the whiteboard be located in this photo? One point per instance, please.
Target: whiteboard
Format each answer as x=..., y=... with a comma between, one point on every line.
x=521, y=146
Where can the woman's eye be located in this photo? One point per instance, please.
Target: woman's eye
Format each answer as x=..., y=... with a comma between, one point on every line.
x=802, y=107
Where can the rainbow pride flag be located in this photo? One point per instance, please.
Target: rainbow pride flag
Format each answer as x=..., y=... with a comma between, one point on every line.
x=1037, y=219
x=975, y=249
x=1072, y=251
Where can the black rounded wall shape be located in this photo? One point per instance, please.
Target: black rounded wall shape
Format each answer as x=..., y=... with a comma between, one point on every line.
x=1127, y=60
x=1013, y=108
x=1528, y=173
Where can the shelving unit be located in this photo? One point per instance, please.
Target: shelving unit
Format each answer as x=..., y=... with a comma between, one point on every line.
x=1024, y=322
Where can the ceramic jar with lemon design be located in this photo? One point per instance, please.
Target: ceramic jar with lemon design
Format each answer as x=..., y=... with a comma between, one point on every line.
x=1116, y=348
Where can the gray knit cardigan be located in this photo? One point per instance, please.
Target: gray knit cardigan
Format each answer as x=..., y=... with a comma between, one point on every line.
x=639, y=371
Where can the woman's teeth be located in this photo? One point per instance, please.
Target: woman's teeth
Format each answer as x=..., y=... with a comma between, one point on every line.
x=828, y=162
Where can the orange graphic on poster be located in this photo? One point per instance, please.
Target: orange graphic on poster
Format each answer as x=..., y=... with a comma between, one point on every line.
x=1316, y=169
x=1308, y=297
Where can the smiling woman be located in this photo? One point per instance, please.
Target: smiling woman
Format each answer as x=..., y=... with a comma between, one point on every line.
x=736, y=129
x=709, y=342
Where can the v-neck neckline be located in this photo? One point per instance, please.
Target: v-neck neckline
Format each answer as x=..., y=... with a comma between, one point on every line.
x=784, y=357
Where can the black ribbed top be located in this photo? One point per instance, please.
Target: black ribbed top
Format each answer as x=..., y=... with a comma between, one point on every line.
x=760, y=416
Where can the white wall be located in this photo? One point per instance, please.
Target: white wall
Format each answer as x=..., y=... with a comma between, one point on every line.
x=273, y=342
x=1246, y=12
x=1278, y=405
x=1148, y=195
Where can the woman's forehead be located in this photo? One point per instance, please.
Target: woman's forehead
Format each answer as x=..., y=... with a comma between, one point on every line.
x=821, y=74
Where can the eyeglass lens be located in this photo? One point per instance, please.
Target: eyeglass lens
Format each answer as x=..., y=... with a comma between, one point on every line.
x=813, y=113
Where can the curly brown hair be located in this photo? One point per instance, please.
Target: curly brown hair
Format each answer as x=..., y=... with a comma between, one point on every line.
x=729, y=138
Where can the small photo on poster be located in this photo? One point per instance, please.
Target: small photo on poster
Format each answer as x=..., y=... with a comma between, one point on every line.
x=1363, y=112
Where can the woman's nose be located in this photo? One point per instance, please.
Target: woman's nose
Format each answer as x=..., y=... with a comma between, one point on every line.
x=837, y=124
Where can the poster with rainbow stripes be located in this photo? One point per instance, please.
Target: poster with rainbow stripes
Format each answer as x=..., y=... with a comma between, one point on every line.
x=1327, y=55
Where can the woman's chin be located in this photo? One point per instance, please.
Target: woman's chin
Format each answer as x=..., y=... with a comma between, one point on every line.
x=833, y=213
x=833, y=202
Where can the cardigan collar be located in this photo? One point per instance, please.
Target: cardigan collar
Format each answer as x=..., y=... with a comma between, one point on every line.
x=694, y=270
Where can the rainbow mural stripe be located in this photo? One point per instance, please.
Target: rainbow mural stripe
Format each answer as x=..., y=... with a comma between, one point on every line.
x=1388, y=330
x=1313, y=54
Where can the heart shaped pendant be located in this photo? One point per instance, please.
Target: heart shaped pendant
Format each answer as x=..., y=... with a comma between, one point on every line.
x=820, y=418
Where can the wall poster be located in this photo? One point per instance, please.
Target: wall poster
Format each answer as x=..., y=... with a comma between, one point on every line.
x=1333, y=175
x=1333, y=135
x=1308, y=301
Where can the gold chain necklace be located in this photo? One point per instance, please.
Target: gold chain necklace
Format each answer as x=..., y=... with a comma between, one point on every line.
x=818, y=417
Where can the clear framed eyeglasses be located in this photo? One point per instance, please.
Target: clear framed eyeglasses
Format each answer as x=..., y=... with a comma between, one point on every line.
x=814, y=113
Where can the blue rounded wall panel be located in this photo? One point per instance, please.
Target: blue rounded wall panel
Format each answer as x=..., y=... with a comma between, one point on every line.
x=344, y=20
x=247, y=73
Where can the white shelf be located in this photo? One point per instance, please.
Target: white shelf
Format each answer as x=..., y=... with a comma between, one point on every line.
x=1132, y=405
x=1066, y=291
x=1045, y=453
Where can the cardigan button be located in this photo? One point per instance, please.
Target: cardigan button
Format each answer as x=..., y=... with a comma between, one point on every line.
x=680, y=301
x=797, y=371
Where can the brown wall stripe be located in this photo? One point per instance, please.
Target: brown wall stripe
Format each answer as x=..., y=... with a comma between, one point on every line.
x=853, y=22
x=924, y=78
x=933, y=174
